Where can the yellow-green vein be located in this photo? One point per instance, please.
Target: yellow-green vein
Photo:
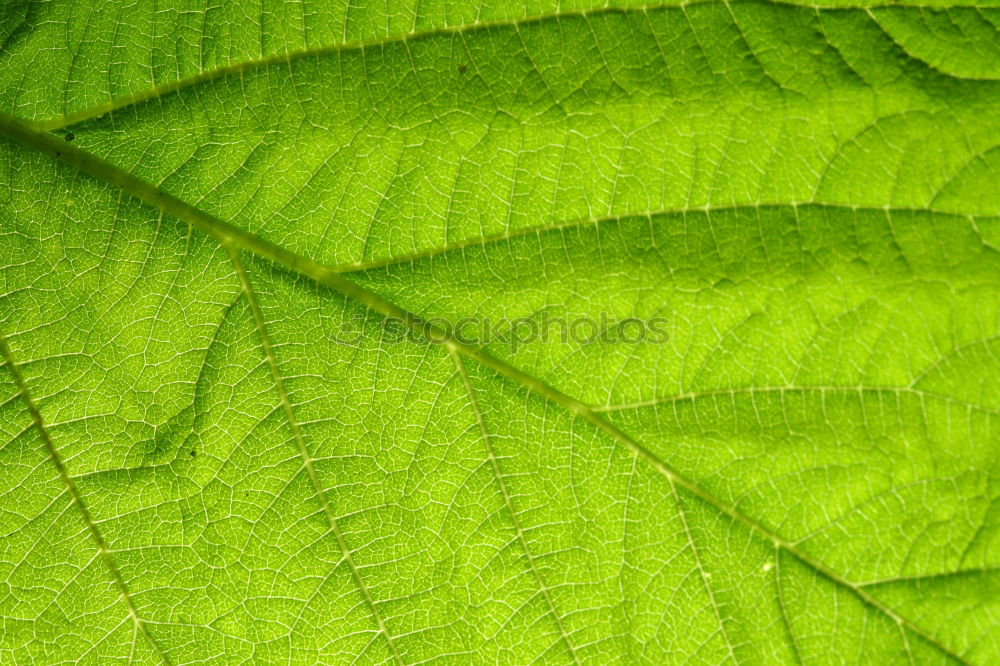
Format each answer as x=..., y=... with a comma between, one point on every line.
x=304, y=455
x=76, y=499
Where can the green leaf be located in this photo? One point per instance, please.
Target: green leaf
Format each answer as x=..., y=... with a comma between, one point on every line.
x=251, y=253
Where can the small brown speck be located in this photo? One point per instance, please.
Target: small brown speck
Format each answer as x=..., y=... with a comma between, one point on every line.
x=69, y=136
x=462, y=68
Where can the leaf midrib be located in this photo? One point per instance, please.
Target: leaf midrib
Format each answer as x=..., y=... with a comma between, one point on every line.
x=31, y=136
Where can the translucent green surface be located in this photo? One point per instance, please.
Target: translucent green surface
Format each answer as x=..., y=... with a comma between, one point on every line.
x=238, y=423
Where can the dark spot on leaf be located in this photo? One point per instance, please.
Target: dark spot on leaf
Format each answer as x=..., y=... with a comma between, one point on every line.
x=724, y=283
x=192, y=453
x=461, y=69
x=69, y=136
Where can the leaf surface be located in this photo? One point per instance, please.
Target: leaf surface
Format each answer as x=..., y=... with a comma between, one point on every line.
x=214, y=448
